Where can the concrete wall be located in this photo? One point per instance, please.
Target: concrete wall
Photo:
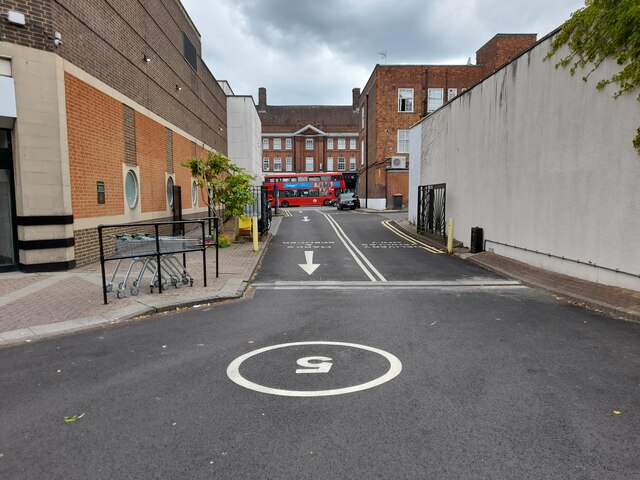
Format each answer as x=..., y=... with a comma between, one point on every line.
x=542, y=161
x=244, y=135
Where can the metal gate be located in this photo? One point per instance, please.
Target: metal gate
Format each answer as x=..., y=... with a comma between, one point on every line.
x=431, y=209
x=260, y=208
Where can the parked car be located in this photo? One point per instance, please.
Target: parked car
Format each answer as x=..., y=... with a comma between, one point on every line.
x=348, y=200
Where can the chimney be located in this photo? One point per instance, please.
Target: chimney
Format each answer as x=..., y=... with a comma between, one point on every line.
x=262, y=99
x=355, y=98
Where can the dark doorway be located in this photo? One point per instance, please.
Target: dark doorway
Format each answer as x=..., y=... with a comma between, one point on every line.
x=8, y=229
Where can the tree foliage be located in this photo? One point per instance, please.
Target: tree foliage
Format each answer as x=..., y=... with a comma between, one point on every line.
x=604, y=29
x=225, y=183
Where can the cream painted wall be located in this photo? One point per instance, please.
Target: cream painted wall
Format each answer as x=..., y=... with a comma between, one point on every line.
x=40, y=147
x=543, y=161
x=244, y=135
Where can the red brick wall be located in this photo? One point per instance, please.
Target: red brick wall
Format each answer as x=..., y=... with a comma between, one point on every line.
x=107, y=39
x=181, y=154
x=96, y=152
x=397, y=183
x=501, y=49
x=150, y=153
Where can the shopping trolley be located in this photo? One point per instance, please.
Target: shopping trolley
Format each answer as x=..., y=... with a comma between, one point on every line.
x=140, y=250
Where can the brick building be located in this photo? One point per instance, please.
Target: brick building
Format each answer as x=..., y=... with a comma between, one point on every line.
x=398, y=96
x=100, y=104
x=310, y=138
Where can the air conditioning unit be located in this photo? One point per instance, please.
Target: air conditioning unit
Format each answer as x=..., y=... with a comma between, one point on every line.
x=398, y=162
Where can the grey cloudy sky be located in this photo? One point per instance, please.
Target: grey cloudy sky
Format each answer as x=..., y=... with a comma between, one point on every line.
x=311, y=52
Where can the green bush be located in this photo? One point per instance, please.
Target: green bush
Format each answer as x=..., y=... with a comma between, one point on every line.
x=224, y=241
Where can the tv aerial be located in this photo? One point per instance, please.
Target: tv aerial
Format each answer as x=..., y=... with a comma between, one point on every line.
x=383, y=56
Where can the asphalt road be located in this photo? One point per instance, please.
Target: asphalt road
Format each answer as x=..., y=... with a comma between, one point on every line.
x=434, y=372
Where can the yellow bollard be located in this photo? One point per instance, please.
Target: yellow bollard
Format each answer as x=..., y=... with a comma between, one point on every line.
x=254, y=225
x=450, y=237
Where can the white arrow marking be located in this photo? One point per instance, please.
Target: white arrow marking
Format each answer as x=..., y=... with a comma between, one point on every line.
x=309, y=267
x=305, y=219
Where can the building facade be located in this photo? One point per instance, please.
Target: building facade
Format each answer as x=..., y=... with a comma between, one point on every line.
x=310, y=138
x=244, y=131
x=101, y=104
x=549, y=171
x=398, y=96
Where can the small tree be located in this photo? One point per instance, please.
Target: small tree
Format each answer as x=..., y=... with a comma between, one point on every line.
x=604, y=28
x=225, y=183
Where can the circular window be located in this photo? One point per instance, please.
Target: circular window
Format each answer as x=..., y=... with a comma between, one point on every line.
x=170, y=191
x=131, y=189
x=194, y=193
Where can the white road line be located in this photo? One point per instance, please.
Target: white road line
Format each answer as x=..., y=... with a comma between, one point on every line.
x=412, y=240
x=354, y=250
x=469, y=284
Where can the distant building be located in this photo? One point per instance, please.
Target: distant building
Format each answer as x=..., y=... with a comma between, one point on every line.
x=398, y=96
x=310, y=138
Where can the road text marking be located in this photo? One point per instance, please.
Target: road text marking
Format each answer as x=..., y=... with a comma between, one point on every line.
x=233, y=371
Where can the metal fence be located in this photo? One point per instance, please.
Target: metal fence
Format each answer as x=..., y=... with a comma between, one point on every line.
x=150, y=249
x=431, y=209
x=260, y=208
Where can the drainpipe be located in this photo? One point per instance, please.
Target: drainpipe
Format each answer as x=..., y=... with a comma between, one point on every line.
x=366, y=152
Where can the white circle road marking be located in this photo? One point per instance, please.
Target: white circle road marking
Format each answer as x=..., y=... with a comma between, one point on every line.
x=233, y=372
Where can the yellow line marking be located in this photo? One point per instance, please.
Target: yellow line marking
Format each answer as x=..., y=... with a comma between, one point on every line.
x=412, y=240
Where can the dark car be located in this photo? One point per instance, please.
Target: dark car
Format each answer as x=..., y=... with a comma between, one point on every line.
x=347, y=200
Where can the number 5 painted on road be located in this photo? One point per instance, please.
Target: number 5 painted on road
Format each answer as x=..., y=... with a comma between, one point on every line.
x=314, y=365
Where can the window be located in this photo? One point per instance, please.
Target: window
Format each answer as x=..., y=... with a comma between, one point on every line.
x=330, y=143
x=277, y=164
x=341, y=164
x=277, y=144
x=131, y=189
x=434, y=99
x=308, y=164
x=363, y=117
x=329, y=164
x=170, y=192
x=194, y=193
x=287, y=143
x=288, y=164
x=341, y=144
x=362, y=152
x=451, y=93
x=352, y=164
x=265, y=144
x=403, y=141
x=265, y=164
x=308, y=144
x=352, y=144
x=405, y=99
x=189, y=52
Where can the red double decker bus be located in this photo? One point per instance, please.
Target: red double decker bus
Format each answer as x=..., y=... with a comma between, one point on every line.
x=303, y=189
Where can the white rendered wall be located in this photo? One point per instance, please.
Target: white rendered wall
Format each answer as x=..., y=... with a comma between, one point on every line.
x=244, y=135
x=415, y=170
x=542, y=161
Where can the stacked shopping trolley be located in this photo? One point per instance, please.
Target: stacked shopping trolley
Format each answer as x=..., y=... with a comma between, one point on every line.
x=139, y=255
x=152, y=255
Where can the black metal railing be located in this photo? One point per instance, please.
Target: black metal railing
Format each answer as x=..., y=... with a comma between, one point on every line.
x=153, y=247
x=431, y=209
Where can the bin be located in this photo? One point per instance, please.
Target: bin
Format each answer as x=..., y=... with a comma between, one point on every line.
x=397, y=201
x=477, y=240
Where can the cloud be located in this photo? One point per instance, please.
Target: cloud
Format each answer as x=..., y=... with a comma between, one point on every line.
x=310, y=52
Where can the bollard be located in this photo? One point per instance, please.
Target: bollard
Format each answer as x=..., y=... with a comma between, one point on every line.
x=450, y=237
x=254, y=228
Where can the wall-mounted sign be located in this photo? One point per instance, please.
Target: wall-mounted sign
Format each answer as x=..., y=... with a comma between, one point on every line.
x=101, y=196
